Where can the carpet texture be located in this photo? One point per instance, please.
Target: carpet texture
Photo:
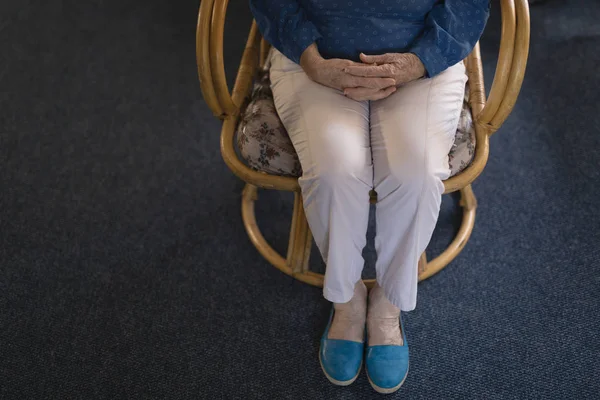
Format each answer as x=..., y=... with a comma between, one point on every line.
x=126, y=273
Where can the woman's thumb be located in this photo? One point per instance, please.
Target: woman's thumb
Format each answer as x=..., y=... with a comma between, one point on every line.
x=368, y=59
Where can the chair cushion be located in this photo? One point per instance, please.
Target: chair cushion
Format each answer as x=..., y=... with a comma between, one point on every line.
x=265, y=145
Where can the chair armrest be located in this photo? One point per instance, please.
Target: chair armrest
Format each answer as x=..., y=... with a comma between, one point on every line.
x=209, y=59
x=510, y=70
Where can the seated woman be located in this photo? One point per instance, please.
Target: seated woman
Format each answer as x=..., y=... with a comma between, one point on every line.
x=370, y=93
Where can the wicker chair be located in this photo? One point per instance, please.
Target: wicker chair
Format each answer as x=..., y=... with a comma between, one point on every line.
x=488, y=115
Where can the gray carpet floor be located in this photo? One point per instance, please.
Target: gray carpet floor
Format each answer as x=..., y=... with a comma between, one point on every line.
x=126, y=273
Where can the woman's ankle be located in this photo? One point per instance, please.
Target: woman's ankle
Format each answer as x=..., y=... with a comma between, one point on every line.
x=349, y=318
x=383, y=320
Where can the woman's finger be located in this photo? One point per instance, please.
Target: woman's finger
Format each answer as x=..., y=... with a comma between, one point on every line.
x=382, y=94
x=357, y=97
x=380, y=58
x=367, y=82
x=362, y=94
x=378, y=95
x=383, y=71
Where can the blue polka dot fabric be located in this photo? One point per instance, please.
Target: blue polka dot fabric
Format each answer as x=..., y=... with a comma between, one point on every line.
x=440, y=33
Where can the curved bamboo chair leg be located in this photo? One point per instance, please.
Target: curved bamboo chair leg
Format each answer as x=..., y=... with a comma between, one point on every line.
x=300, y=239
x=469, y=206
x=296, y=264
x=300, y=242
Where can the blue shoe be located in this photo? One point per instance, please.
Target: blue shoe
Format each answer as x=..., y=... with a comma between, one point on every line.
x=387, y=365
x=341, y=360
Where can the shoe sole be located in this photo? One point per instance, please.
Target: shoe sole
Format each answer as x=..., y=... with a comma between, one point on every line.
x=386, y=390
x=335, y=381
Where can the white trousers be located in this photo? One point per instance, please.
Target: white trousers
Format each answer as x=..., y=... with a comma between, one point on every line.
x=397, y=146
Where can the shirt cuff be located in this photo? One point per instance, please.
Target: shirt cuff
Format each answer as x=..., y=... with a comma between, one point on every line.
x=305, y=35
x=431, y=56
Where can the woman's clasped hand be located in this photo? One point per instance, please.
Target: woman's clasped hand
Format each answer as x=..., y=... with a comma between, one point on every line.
x=375, y=78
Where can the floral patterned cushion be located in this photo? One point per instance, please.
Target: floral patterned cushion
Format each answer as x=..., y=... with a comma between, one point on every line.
x=265, y=145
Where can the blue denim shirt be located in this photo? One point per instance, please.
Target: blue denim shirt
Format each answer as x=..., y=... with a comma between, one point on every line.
x=440, y=32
